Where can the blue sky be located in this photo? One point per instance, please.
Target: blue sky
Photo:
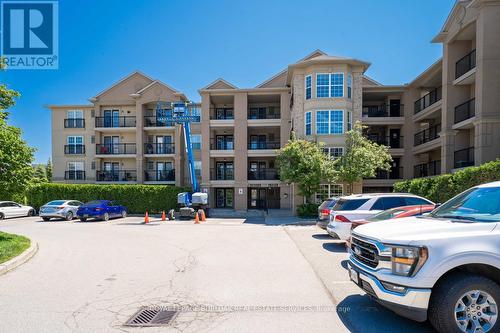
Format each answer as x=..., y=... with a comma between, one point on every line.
x=188, y=44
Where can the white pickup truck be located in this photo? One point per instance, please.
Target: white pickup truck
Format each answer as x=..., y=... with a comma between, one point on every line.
x=444, y=267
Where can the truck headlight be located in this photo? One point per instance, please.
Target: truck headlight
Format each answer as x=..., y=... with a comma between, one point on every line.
x=407, y=260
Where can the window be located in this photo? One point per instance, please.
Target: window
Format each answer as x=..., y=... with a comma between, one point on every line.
x=196, y=141
x=337, y=85
x=308, y=123
x=412, y=201
x=75, y=114
x=75, y=145
x=75, y=166
x=196, y=111
x=349, y=120
x=349, y=204
x=334, y=152
x=330, y=85
x=349, y=85
x=388, y=203
x=322, y=85
x=330, y=122
x=327, y=191
x=197, y=168
x=308, y=86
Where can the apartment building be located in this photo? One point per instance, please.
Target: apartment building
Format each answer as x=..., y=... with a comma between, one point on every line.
x=445, y=119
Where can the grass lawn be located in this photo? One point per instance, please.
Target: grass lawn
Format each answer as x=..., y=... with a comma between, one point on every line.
x=12, y=245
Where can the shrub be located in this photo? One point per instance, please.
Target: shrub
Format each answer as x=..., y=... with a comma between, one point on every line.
x=444, y=187
x=307, y=210
x=137, y=198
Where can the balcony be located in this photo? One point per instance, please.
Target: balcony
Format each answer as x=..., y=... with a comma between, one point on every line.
x=465, y=110
x=222, y=114
x=225, y=143
x=427, y=100
x=115, y=122
x=159, y=175
x=394, y=173
x=427, y=169
x=263, y=174
x=263, y=113
x=465, y=64
x=116, y=176
x=256, y=145
x=391, y=142
x=74, y=149
x=159, y=148
x=74, y=123
x=74, y=175
x=154, y=121
x=383, y=111
x=116, y=149
x=464, y=158
x=427, y=135
x=226, y=173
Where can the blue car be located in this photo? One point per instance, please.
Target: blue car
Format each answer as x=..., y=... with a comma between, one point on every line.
x=101, y=209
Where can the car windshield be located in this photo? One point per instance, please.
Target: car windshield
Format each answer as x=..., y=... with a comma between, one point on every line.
x=93, y=203
x=327, y=204
x=386, y=214
x=473, y=205
x=56, y=203
x=349, y=204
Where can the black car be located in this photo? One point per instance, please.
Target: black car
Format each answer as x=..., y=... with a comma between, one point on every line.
x=324, y=212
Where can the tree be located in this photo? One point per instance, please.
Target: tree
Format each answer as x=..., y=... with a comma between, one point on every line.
x=362, y=158
x=39, y=174
x=304, y=163
x=48, y=170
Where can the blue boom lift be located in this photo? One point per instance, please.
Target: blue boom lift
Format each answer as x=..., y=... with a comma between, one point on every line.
x=189, y=202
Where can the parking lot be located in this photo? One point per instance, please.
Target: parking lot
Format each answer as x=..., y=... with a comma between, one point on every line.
x=227, y=275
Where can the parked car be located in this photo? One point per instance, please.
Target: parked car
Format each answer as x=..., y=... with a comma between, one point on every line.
x=324, y=212
x=13, y=209
x=444, y=266
x=363, y=206
x=395, y=213
x=101, y=209
x=65, y=209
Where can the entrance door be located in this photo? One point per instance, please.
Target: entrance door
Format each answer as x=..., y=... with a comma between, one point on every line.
x=395, y=108
x=224, y=197
x=111, y=118
x=395, y=137
x=164, y=144
x=163, y=170
x=112, y=171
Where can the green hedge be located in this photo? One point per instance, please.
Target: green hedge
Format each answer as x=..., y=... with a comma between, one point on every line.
x=137, y=198
x=307, y=210
x=444, y=187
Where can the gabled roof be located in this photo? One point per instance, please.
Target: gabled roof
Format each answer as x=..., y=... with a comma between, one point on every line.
x=134, y=73
x=370, y=81
x=219, y=84
x=313, y=54
x=160, y=83
x=457, y=10
x=278, y=80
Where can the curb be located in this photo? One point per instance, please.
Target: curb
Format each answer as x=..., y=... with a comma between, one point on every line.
x=20, y=259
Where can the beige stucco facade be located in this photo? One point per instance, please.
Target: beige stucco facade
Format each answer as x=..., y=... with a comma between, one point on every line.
x=445, y=119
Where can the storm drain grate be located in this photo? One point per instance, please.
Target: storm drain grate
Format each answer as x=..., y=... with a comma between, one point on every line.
x=151, y=316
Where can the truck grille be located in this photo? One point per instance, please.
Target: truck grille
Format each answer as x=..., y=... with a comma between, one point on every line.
x=365, y=252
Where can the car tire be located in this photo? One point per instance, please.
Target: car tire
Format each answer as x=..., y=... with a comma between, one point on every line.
x=444, y=303
x=31, y=212
x=105, y=217
x=46, y=219
x=69, y=216
x=124, y=213
x=1, y=216
x=83, y=219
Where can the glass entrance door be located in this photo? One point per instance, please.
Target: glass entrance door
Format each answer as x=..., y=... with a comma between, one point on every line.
x=224, y=197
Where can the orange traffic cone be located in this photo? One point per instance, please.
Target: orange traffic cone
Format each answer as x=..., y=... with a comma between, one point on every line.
x=196, y=218
x=146, y=218
x=163, y=216
x=203, y=218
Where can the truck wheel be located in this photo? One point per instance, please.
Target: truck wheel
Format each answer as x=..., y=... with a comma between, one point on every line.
x=465, y=303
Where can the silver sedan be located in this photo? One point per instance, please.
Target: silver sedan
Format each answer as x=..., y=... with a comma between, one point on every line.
x=65, y=209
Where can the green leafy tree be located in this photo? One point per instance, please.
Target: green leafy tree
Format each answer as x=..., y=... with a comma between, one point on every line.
x=304, y=163
x=39, y=174
x=48, y=170
x=362, y=158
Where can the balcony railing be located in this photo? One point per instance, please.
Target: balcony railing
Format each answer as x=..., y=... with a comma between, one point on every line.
x=222, y=174
x=465, y=110
x=464, y=157
x=383, y=111
x=159, y=148
x=465, y=64
x=392, y=142
x=221, y=144
x=74, y=123
x=394, y=173
x=427, y=169
x=427, y=135
x=263, y=112
x=116, y=176
x=222, y=114
x=74, y=175
x=159, y=175
x=256, y=145
x=426, y=101
x=153, y=121
x=263, y=174
x=126, y=121
x=74, y=149
x=115, y=149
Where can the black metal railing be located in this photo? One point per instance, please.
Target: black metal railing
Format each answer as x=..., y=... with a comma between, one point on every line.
x=221, y=144
x=115, y=149
x=465, y=110
x=159, y=148
x=124, y=121
x=394, y=173
x=464, y=157
x=159, y=175
x=74, y=123
x=154, y=121
x=268, y=112
x=74, y=149
x=465, y=64
x=427, y=100
x=427, y=169
x=222, y=114
x=383, y=110
x=392, y=142
x=256, y=145
x=116, y=176
x=263, y=174
x=427, y=135
x=74, y=175
x=222, y=174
